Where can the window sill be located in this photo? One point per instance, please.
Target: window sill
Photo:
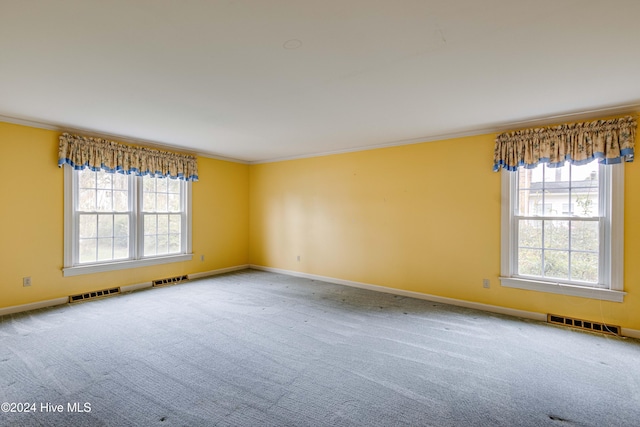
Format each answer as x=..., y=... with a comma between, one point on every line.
x=563, y=289
x=122, y=265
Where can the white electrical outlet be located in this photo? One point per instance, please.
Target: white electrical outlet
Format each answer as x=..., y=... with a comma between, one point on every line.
x=26, y=281
x=486, y=283
x=298, y=258
x=201, y=257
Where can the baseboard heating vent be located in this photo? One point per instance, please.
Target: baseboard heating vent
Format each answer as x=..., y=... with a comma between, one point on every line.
x=169, y=281
x=93, y=295
x=583, y=324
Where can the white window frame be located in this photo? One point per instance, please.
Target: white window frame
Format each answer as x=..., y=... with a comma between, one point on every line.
x=612, y=240
x=72, y=268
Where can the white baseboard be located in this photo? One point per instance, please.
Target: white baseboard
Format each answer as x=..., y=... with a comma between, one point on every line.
x=127, y=288
x=419, y=295
x=219, y=271
x=136, y=287
x=33, y=306
x=631, y=333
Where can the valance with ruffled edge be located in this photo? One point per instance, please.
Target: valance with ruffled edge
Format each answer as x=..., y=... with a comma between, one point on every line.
x=99, y=154
x=609, y=141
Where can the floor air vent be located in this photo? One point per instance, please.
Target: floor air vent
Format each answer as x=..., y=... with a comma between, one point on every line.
x=93, y=295
x=169, y=281
x=583, y=324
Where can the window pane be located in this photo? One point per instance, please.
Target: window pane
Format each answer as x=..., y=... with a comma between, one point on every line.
x=556, y=264
x=161, y=185
x=106, y=235
x=584, y=235
x=88, y=226
x=150, y=225
x=87, y=200
x=121, y=225
x=149, y=245
x=530, y=262
x=87, y=178
x=174, y=203
x=174, y=243
x=175, y=223
x=556, y=234
x=569, y=190
x=558, y=201
x=148, y=184
x=173, y=186
x=555, y=178
x=105, y=249
x=163, y=244
x=105, y=225
x=531, y=202
x=530, y=233
x=103, y=180
x=121, y=248
x=561, y=225
x=585, y=202
x=584, y=266
x=87, y=250
x=149, y=202
x=120, y=181
x=585, y=175
x=105, y=202
x=161, y=202
x=163, y=224
x=120, y=201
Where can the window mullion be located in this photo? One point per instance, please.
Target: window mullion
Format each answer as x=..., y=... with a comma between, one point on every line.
x=138, y=217
x=183, y=217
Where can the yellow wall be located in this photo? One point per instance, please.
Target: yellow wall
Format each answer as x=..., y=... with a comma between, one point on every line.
x=31, y=222
x=402, y=217
x=415, y=217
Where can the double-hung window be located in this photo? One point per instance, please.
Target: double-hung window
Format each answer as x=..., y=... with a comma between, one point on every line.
x=116, y=221
x=562, y=230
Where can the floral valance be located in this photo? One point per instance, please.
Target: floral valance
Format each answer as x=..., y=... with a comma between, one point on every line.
x=99, y=154
x=609, y=141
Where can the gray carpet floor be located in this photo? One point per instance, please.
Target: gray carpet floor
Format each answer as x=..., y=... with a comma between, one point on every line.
x=260, y=349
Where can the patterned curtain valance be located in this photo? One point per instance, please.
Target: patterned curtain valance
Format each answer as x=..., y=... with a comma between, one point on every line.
x=609, y=141
x=99, y=154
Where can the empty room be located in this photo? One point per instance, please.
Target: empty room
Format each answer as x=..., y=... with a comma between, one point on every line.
x=319, y=213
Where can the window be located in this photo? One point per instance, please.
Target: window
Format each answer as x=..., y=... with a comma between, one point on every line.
x=115, y=221
x=562, y=230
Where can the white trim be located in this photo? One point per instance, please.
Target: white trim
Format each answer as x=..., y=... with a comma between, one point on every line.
x=218, y=271
x=611, y=207
x=563, y=289
x=135, y=239
x=187, y=229
x=120, y=138
x=136, y=287
x=542, y=317
x=631, y=333
x=507, y=240
x=628, y=109
x=616, y=228
x=68, y=215
x=122, y=265
x=33, y=306
x=131, y=288
x=496, y=128
x=126, y=288
x=444, y=300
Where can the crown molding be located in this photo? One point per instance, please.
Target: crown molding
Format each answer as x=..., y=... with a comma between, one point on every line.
x=484, y=130
x=500, y=127
x=120, y=138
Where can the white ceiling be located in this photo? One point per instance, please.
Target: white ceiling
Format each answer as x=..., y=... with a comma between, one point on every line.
x=258, y=80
